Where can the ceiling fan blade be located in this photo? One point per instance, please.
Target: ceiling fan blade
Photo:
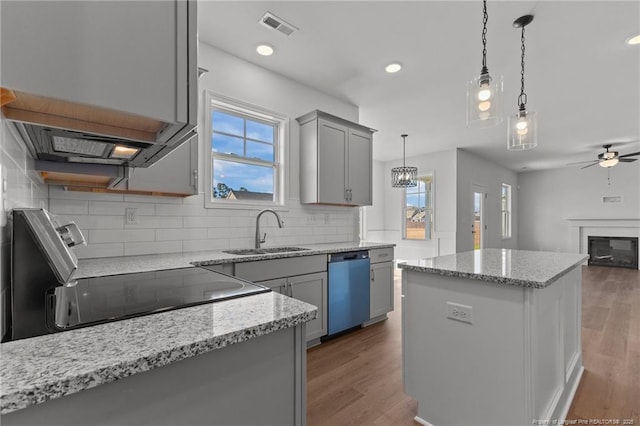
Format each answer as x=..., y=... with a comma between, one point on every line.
x=629, y=155
x=627, y=160
x=582, y=162
x=590, y=165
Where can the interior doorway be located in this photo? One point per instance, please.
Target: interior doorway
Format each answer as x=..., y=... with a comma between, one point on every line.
x=477, y=224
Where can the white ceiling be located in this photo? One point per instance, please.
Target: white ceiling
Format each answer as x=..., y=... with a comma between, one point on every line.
x=581, y=77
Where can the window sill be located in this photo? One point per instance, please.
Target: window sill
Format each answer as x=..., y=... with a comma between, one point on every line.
x=246, y=206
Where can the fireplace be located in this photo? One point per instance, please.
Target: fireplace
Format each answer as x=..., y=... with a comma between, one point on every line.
x=613, y=251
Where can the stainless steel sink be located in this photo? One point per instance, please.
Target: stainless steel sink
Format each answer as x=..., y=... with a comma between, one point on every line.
x=266, y=250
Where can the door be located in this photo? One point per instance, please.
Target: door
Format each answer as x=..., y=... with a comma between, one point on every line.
x=332, y=173
x=359, y=168
x=278, y=285
x=312, y=288
x=381, y=288
x=477, y=225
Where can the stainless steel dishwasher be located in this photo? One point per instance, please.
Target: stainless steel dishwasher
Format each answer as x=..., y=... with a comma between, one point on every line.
x=348, y=290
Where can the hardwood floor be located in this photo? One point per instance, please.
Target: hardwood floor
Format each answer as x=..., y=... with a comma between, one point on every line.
x=356, y=379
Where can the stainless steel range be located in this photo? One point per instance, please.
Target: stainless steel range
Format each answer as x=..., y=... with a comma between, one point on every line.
x=46, y=299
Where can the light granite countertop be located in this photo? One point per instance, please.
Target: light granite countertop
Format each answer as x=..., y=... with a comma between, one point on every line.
x=130, y=264
x=535, y=269
x=46, y=367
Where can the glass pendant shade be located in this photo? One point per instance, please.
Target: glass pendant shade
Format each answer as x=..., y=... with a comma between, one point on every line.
x=522, y=130
x=404, y=177
x=484, y=101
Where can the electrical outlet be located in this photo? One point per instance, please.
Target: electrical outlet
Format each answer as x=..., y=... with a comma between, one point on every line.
x=458, y=312
x=131, y=216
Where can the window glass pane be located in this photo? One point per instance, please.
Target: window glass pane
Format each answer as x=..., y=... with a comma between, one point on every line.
x=227, y=144
x=415, y=223
x=238, y=181
x=227, y=123
x=419, y=210
x=259, y=131
x=261, y=151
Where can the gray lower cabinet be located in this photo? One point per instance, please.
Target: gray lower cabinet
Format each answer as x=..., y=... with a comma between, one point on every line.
x=303, y=278
x=381, y=289
x=310, y=288
x=279, y=285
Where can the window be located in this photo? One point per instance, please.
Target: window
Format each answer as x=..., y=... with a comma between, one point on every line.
x=418, y=210
x=506, y=210
x=245, y=153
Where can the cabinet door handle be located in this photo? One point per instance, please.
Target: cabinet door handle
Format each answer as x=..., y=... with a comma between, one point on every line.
x=373, y=275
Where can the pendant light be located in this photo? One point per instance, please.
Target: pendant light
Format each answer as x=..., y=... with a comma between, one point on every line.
x=405, y=176
x=523, y=125
x=484, y=93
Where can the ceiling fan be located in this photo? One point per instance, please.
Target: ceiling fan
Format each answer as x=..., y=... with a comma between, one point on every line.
x=609, y=158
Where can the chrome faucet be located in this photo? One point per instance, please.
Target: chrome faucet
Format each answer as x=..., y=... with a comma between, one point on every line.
x=264, y=238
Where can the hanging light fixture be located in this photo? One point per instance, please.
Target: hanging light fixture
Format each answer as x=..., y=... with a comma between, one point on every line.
x=405, y=176
x=484, y=94
x=522, y=129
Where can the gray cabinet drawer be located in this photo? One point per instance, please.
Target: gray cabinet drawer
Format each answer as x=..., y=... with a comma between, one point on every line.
x=381, y=255
x=262, y=270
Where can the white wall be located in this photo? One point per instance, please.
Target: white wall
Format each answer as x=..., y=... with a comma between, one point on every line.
x=373, y=219
x=176, y=224
x=473, y=171
x=23, y=189
x=549, y=197
x=389, y=207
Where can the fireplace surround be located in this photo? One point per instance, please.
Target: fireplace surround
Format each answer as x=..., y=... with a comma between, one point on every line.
x=581, y=228
x=620, y=252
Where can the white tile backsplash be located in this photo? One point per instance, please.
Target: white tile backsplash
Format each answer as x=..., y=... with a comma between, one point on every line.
x=169, y=224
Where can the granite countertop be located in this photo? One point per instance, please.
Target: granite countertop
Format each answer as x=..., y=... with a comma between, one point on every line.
x=535, y=269
x=130, y=264
x=46, y=367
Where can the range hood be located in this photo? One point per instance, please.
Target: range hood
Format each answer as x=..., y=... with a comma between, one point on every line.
x=66, y=132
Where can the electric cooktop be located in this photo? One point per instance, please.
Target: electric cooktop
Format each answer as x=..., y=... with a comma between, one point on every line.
x=110, y=298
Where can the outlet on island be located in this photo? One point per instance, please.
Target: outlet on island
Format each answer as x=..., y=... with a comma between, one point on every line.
x=458, y=312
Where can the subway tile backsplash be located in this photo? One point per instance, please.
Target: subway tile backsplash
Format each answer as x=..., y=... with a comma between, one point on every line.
x=167, y=225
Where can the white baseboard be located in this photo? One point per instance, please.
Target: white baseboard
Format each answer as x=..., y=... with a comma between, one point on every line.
x=571, y=395
x=422, y=421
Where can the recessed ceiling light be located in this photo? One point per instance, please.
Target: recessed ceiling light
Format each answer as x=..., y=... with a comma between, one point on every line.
x=394, y=67
x=264, y=49
x=634, y=39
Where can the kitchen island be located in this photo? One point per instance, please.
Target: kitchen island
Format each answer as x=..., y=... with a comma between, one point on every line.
x=492, y=336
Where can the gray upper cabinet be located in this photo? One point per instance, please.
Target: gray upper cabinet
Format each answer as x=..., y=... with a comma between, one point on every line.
x=124, y=56
x=176, y=174
x=335, y=160
x=110, y=71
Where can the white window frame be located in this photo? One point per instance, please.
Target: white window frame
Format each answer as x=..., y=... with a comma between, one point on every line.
x=221, y=102
x=506, y=214
x=433, y=209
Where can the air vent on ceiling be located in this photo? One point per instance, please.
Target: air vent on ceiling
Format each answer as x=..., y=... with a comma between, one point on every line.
x=272, y=21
